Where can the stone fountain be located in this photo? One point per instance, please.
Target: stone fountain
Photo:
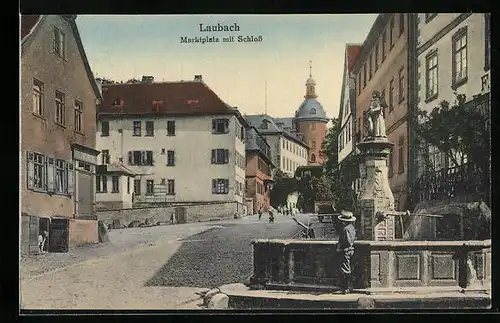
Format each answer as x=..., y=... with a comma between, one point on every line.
x=382, y=264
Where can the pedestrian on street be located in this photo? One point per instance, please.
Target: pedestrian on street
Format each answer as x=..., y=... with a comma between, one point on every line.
x=172, y=218
x=42, y=240
x=345, y=249
x=260, y=213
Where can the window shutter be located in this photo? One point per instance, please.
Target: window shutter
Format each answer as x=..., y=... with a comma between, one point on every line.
x=214, y=185
x=214, y=126
x=130, y=158
x=149, y=157
x=226, y=156
x=213, y=156
x=31, y=169
x=50, y=175
x=226, y=186
x=71, y=175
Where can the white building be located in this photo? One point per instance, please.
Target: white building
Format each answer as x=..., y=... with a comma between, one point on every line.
x=288, y=151
x=347, y=109
x=114, y=186
x=180, y=139
x=453, y=52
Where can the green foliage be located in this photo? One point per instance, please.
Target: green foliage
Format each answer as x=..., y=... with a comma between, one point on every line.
x=283, y=186
x=461, y=131
x=104, y=80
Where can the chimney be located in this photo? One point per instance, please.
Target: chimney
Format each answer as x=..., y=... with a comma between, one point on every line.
x=147, y=79
x=99, y=86
x=198, y=78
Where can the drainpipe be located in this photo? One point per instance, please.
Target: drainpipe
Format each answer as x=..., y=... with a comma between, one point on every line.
x=412, y=104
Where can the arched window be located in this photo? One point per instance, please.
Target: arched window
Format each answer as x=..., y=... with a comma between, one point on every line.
x=313, y=158
x=312, y=111
x=313, y=144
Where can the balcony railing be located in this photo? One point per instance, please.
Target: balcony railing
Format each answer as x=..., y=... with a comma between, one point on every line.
x=464, y=181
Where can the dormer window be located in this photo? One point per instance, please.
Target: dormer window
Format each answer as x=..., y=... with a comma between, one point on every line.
x=264, y=124
x=312, y=111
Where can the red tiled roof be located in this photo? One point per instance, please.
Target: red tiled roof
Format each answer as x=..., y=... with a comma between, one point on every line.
x=27, y=23
x=188, y=97
x=352, y=54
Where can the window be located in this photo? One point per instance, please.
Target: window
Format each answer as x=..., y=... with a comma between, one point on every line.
x=170, y=128
x=105, y=128
x=78, y=116
x=382, y=94
x=104, y=181
x=391, y=95
x=163, y=151
x=140, y=158
x=220, y=126
x=264, y=124
x=137, y=128
x=220, y=186
x=384, y=42
x=150, y=128
x=137, y=187
x=401, y=155
x=61, y=177
x=60, y=109
x=313, y=158
x=98, y=184
x=59, y=43
x=390, y=165
x=401, y=23
x=105, y=157
x=459, y=60
x=370, y=69
x=170, y=158
x=313, y=144
x=313, y=126
x=220, y=156
x=391, y=32
x=429, y=16
x=431, y=76
x=115, y=181
x=364, y=75
x=487, y=41
x=37, y=97
x=376, y=56
x=150, y=189
x=163, y=181
x=37, y=175
x=128, y=185
x=171, y=187
x=401, y=86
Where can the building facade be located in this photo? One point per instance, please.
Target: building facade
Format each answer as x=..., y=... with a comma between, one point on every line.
x=114, y=186
x=180, y=139
x=288, y=151
x=347, y=110
x=453, y=54
x=258, y=170
x=310, y=123
x=58, y=111
x=382, y=65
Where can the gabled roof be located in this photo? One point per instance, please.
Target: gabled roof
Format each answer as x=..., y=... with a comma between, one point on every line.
x=171, y=98
x=353, y=51
x=29, y=26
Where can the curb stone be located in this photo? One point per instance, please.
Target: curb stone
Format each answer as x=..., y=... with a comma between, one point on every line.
x=219, y=301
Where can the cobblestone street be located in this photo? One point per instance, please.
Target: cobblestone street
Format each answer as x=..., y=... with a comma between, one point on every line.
x=148, y=268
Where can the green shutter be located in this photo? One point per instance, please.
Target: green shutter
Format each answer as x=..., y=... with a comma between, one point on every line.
x=71, y=177
x=30, y=169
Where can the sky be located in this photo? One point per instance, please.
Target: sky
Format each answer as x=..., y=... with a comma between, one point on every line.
x=256, y=77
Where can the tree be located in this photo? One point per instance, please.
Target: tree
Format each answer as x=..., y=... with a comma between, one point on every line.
x=133, y=80
x=104, y=80
x=283, y=186
x=460, y=131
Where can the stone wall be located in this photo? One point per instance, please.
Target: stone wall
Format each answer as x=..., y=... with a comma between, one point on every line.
x=82, y=232
x=161, y=213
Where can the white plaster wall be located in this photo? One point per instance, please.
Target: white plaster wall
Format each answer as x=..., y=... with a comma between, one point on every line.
x=192, y=143
x=238, y=171
x=347, y=116
x=475, y=58
x=121, y=196
x=427, y=30
x=296, y=154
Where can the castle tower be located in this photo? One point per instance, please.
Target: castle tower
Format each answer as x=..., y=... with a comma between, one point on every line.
x=310, y=121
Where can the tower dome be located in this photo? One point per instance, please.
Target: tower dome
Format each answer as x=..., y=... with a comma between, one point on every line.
x=311, y=109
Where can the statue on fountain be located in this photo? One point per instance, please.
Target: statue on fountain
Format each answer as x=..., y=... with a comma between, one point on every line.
x=375, y=117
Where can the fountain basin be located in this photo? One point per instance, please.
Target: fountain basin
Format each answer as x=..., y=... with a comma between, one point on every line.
x=378, y=266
